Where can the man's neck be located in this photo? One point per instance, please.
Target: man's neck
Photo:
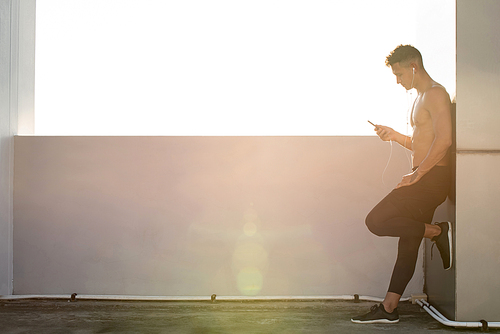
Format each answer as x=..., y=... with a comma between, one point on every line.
x=424, y=83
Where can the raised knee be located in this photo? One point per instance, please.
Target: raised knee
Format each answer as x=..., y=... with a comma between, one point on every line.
x=372, y=225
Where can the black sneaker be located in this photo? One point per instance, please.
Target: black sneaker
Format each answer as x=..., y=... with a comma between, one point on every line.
x=378, y=315
x=444, y=244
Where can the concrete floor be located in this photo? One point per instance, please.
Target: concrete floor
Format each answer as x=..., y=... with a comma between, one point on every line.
x=91, y=316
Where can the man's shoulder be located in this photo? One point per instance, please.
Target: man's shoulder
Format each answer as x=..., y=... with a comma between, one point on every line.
x=436, y=94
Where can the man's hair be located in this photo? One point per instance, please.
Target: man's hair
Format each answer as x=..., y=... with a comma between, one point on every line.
x=404, y=54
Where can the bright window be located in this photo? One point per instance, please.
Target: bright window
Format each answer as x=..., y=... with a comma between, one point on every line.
x=231, y=67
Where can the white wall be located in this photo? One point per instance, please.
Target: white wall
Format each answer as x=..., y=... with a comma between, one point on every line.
x=478, y=75
x=478, y=160
x=5, y=153
x=168, y=215
x=17, y=33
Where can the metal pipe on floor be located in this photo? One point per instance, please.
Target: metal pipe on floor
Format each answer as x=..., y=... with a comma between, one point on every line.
x=457, y=324
x=197, y=298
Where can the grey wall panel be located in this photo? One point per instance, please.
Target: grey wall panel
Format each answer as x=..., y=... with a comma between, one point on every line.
x=478, y=242
x=478, y=160
x=478, y=74
x=17, y=71
x=202, y=215
x=6, y=153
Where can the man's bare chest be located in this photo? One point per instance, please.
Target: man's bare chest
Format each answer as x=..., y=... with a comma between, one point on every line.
x=420, y=116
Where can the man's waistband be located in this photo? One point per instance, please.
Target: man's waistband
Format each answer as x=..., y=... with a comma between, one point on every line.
x=416, y=167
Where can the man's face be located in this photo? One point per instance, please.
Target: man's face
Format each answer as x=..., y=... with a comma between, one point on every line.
x=404, y=75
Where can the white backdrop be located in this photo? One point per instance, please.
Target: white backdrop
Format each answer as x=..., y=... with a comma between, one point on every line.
x=223, y=67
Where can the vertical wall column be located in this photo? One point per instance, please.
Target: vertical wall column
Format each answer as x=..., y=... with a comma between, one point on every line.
x=17, y=79
x=478, y=161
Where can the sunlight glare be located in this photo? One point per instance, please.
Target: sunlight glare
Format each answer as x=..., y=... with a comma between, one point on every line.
x=221, y=67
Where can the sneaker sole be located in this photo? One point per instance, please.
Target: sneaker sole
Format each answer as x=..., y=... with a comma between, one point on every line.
x=377, y=321
x=450, y=244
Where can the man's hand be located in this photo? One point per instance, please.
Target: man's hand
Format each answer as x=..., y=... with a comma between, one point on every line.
x=385, y=133
x=409, y=179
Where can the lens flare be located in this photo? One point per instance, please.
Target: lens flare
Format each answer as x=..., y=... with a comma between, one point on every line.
x=250, y=262
x=250, y=281
x=249, y=229
x=250, y=259
x=250, y=255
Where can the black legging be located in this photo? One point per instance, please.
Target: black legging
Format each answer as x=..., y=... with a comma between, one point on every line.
x=403, y=213
x=385, y=220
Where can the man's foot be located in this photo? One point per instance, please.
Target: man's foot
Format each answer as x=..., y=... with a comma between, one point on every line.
x=444, y=244
x=377, y=315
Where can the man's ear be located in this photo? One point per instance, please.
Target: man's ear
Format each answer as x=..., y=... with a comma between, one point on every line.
x=414, y=66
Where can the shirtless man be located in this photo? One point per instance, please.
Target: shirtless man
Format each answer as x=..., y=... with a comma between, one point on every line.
x=408, y=210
